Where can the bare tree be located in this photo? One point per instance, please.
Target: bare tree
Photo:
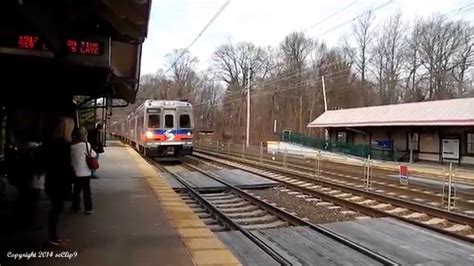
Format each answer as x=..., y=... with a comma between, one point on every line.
x=295, y=49
x=182, y=65
x=236, y=65
x=363, y=36
x=434, y=59
x=441, y=40
x=342, y=84
x=465, y=58
x=387, y=57
x=206, y=102
x=413, y=92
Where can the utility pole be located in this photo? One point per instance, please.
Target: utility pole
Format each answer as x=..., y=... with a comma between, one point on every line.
x=326, y=133
x=247, y=137
x=324, y=94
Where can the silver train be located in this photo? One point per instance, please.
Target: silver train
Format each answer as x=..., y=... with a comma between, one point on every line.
x=158, y=128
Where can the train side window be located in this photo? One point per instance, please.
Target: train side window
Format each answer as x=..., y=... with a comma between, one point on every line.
x=154, y=121
x=184, y=121
x=169, y=121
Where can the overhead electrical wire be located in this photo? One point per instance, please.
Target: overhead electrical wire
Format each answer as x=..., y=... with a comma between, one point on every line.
x=329, y=17
x=297, y=73
x=199, y=35
x=339, y=11
x=221, y=9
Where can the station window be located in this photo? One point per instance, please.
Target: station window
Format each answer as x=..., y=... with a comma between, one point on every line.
x=342, y=136
x=169, y=121
x=470, y=143
x=184, y=121
x=154, y=121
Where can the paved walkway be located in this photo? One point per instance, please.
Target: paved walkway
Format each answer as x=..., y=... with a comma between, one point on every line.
x=128, y=227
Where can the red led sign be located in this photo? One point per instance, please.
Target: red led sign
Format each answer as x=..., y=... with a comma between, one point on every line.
x=79, y=47
x=27, y=42
x=84, y=47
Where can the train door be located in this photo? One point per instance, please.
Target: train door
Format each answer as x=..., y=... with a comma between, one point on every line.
x=169, y=124
x=169, y=127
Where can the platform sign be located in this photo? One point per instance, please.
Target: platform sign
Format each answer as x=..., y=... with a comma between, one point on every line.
x=450, y=149
x=403, y=174
x=91, y=51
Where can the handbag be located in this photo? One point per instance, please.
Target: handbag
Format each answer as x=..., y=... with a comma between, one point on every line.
x=91, y=161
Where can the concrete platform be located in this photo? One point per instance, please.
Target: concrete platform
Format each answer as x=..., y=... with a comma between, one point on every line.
x=136, y=221
x=406, y=243
x=235, y=177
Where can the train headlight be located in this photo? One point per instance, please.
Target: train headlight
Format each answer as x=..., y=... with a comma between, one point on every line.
x=149, y=135
x=189, y=133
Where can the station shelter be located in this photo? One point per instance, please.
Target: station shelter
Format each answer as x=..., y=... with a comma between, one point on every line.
x=438, y=131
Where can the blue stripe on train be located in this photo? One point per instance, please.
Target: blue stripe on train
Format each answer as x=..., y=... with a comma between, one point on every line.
x=173, y=131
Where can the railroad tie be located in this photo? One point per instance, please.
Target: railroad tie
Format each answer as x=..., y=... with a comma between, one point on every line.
x=434, y=221
x=458, y=227
x=381, y=206
x=415, y=215
x=397, y=210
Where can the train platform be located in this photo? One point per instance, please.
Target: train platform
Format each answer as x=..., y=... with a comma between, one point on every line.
x=138, y=220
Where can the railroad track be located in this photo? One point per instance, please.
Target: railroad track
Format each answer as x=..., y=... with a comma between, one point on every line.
x=293, y=160
x=236, y=209
x=243, y=212
x=353, y=176
x=361, y=200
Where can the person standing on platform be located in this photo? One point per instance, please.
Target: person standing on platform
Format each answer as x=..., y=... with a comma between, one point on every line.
x=95, y=139
x=59, y=174
x=22, y=167
x=79, y=149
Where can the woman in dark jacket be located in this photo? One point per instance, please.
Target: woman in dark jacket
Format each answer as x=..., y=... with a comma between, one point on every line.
x=95, y=139
x=59, y=173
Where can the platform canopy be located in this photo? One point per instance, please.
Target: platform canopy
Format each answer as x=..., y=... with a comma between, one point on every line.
x=454, y=112
x=93, y=44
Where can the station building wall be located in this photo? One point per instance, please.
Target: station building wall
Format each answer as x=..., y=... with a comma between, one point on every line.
x=427, y=148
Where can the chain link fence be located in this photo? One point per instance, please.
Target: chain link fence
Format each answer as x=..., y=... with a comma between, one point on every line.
x=359, y=150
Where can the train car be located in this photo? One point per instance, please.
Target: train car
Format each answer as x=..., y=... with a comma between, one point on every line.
x=160, y=128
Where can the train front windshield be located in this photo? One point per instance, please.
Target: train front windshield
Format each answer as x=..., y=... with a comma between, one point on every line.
x=184, y=121
x=154, y=121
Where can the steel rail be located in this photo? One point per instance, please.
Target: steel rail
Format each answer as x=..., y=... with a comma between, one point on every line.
x=228, y=221
x=458, y=218
x=298, y=221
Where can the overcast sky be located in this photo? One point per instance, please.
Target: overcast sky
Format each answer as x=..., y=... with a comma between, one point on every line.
x=175, y=23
